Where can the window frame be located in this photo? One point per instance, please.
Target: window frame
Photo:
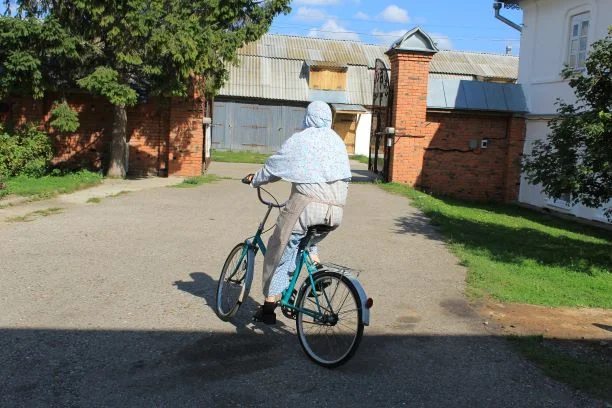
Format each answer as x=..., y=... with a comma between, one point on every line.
x=578, y=19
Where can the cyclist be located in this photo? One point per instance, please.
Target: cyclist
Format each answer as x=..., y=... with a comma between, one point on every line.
x=315, y=161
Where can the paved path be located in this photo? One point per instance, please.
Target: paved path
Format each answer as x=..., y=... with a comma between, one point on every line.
x=110, y=305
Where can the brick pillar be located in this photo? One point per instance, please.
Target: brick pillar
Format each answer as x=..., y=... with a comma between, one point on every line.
x=409, y=77
x=186, y=137
x=512, y=174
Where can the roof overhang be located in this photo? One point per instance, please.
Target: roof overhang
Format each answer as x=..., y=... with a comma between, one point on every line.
x=348, y=108
x=326, y=65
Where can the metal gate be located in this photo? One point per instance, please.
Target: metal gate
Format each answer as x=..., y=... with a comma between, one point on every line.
x=381, y=118
x=253, y=126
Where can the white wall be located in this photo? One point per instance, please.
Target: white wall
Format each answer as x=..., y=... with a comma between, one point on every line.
x=544, y=50
x=362, y=137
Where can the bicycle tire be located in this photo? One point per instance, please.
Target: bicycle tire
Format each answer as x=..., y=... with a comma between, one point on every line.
x=236, y=286
x=329, y=286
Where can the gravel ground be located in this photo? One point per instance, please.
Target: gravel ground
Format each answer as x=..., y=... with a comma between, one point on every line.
x=110, y=304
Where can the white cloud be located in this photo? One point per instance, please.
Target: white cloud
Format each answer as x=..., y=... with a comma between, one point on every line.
x=442, y=41
x=331, y=29
x=310, y=14
x=317, y=2
x=361, y=16
x=388, y=37
x=395, y=14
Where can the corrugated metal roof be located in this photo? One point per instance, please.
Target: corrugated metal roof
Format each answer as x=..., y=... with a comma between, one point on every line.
x=475, y=95
x=275, y=67
x=282, y=79
x=435, y=75
x=471, y=63
x=317, y=49
x=357, y=53
x=267, y=78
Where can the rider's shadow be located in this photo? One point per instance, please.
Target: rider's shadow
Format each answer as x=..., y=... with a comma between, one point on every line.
x=205, y=287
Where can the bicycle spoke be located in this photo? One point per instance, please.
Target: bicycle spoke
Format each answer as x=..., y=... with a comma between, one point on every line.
x=333, y=342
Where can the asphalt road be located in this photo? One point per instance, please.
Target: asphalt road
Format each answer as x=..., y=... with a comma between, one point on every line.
x=110, y=304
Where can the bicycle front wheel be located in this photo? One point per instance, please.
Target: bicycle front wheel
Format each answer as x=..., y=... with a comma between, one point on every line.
x=331, y=337
x=232, y=282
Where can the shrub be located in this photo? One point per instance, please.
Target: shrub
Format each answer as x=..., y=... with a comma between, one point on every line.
x=25, y=151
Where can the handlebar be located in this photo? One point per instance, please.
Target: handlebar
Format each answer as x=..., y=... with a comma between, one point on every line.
x=247, y=180
x=266, y=202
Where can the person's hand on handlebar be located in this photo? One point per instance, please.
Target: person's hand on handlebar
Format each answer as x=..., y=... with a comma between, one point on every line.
x=248, y=178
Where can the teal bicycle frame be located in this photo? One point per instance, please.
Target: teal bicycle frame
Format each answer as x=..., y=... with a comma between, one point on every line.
x=254, y=244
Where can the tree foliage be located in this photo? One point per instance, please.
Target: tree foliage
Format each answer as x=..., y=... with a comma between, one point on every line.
x=576, y=158
x=63, y=118
x=154, y=46
x=123, y=49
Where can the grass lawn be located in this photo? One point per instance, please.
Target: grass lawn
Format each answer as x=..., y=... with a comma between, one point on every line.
x=587, y=374
x=239, y=157
x=49, y=186
x=197, y=180
x=360, y=158
x=522, y=256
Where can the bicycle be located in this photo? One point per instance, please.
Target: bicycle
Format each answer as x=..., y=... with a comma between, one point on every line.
x=317, y=307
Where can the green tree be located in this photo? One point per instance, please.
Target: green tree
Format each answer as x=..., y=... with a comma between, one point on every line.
x=576, y=158
x=128, y=47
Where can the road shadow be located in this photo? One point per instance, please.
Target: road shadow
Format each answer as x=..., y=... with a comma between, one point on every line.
x=144, y=368
x=363, y=176
x=603, y=326
x=205, y=287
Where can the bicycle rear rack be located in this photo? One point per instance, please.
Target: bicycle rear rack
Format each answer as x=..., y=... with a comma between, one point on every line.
x=344, y=270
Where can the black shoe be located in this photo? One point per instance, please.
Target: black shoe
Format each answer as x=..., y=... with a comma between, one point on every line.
x=265, y=313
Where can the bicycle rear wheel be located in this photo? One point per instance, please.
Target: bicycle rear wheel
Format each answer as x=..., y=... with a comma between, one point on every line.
x=329, y=340
x=232, y=283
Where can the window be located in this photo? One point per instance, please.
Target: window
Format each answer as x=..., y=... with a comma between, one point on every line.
x=329, y=79
x=578, y=40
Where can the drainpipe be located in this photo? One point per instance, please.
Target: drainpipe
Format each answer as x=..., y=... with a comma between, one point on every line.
x=497, y=6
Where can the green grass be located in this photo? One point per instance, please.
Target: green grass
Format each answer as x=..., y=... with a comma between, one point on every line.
x=94, y=200
x=589, y=375
x=34, y=214
x=196, y=181
x=49, y=186
x=239, y=156
x=360, y=158
x=519, y=255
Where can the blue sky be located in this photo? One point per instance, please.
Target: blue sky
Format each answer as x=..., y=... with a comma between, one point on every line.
x=466, y=25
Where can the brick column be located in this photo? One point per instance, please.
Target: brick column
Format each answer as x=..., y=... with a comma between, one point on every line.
x=186, y=137
x=514, y=152
x=409, y=77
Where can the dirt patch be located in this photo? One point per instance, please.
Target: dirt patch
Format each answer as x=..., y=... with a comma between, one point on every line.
x=550, y=322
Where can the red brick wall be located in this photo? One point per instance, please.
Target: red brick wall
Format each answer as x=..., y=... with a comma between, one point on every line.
x=149, y=131
x=186, y=137
x=431, y=149
x=451, y=168
x=409, y=73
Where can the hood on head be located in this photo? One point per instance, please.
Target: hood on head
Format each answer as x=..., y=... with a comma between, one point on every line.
x=318, y=115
